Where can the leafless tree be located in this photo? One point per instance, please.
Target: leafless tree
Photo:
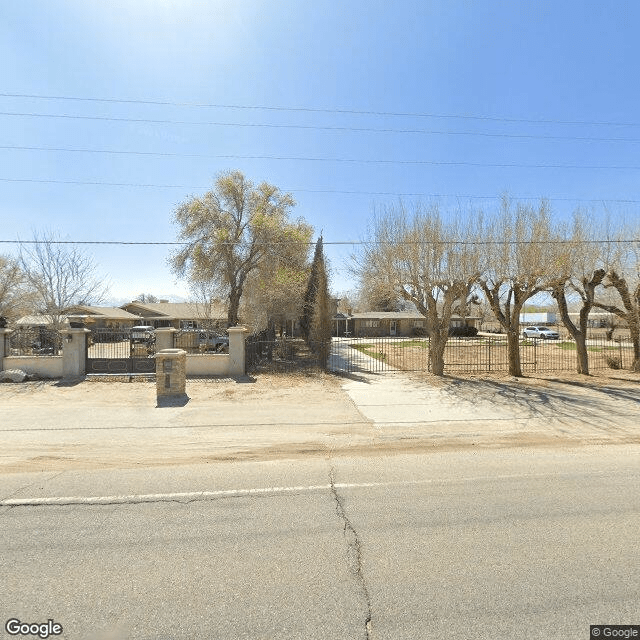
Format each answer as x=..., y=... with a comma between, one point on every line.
x=429, y=262
x=15, y=296
x=577, y=271
x=514, y=268
x=623, y=277
x=61, y=275
x=231, y=231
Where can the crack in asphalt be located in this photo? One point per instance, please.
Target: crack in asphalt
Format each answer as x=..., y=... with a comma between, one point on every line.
x=354, y=552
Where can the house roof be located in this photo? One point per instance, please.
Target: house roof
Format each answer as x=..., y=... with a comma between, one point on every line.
x=110, y=313
x=178, y=310
x=113, y=313
x=398, y=315
x=37, y=321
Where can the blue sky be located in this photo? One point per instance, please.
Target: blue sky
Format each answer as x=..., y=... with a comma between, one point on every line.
x=489, y=83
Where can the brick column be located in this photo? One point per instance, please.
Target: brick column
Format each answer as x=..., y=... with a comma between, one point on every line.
x=171, y=372
x=236, y=350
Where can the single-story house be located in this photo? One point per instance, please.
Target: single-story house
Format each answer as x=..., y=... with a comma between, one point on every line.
x=397, y=323
x=103, y=317
x=93, y=317
x=180, y=315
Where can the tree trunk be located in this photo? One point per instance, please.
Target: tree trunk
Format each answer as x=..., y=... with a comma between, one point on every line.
x=437, y=344
x=513, y=352
x=635, y=338
x=578, y=334
x=582, y=357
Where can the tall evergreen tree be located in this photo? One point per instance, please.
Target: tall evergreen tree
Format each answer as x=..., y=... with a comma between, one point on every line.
x=316, y=318
x=310, y=293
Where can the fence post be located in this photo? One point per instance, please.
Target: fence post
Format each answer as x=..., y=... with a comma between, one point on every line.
x=236, y=350
x=74, y=352
x=3, y=342
x=620, y=351
x=489, y=341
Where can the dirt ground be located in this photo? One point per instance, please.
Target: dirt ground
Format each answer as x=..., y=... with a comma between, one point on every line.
x=57, y=425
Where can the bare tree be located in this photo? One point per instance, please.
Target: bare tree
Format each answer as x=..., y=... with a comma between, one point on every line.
x=515, y=267
x=230, y=231
x=13, y=289
x=623, y=277
x=577, y=270
x=61, y=275
x=147, y=298
x=430, y=263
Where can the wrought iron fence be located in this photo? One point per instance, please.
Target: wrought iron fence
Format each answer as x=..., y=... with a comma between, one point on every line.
x=266, y=352
x=34, y=341
x=475, y=354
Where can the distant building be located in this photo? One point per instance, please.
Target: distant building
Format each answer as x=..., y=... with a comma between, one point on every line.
x=398, y=323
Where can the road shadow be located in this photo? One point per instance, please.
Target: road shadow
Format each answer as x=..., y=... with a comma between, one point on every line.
x=550, y=398
x=70, y=382
x=166, y=402
x=352, y=375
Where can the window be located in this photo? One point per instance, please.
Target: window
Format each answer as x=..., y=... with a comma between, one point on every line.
x=371, y=324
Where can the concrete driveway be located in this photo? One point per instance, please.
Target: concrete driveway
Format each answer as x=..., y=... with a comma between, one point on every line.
x=405, y=408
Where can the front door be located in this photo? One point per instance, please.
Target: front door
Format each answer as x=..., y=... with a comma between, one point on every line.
x=393, y=326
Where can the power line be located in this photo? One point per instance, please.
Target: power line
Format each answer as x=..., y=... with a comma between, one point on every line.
x=320, y=159
x=317, y=127
x=328, y=191
x=405, y=114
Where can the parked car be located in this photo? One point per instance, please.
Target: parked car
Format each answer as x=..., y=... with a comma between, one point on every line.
x=544, y=333
x=211, y=341
x=142, y=333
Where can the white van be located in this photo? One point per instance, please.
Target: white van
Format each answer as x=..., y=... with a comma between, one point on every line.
x=142, y=333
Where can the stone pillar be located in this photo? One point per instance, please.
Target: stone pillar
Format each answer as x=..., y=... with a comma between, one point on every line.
x=171, y=372
x=4, y=351
x=236, y=350
x=74, y=352
x=164, y=338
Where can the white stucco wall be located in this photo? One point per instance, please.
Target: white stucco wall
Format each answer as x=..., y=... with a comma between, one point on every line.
x=44, y=366
x=214, y=364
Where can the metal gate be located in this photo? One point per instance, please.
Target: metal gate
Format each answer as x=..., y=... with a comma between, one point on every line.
x=116, y=351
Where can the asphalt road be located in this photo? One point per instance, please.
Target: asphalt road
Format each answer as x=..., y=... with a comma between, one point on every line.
x=489, y=544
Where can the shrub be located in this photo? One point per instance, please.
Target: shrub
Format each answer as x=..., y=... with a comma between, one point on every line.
x=614, y=362
x=418, y=332
x=463, y=332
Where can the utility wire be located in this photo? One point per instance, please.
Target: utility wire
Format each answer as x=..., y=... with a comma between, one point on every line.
x=319, y=159
x=407, y=114
x=317, y=127
x=328, y=191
